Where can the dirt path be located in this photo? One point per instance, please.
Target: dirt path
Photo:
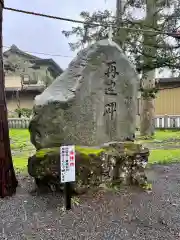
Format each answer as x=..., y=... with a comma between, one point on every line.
x=130, y=214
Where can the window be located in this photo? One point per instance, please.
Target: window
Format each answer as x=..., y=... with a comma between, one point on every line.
x=25, y=79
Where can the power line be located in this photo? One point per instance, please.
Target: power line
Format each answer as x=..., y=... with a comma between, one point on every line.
x=48, y=16
x=113, y=25
x=41, y=53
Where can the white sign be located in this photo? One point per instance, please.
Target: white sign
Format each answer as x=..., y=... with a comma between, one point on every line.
x=67, y=160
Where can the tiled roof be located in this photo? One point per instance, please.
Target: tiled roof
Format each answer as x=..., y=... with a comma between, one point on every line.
x=33, y=58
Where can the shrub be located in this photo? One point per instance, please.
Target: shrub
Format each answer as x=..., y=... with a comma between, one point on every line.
x=25, y=112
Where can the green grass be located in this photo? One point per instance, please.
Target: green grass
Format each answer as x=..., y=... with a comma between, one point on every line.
x=23, y=133
x=20, y=164
x=167, y=134
x=22, y=148
x=164, y=156
x=160, y=136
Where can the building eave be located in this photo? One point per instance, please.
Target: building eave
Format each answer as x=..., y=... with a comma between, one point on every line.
x=50, y=62
x=168, y=80
x=26, y=89
x=15, y=49
x=34, y=59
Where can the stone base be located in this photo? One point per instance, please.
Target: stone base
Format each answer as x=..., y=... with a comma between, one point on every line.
x=116, y=163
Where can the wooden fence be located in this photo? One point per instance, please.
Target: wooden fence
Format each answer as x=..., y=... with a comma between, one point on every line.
x=161, y=122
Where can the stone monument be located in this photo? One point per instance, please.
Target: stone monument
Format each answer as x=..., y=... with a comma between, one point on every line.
x=92, y=102
x=92, y=105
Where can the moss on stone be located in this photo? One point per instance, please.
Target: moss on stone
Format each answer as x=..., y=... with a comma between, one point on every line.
x=118, y=162
x=126, y=149
x=129, y=149
x=83, y=150
x=42, y=152
x=89, y=150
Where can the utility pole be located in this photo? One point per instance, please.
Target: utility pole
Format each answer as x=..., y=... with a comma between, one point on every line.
x=8, y=181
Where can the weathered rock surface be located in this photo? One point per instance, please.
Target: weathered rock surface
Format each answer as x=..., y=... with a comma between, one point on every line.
x=92, y=102
x=113, y=163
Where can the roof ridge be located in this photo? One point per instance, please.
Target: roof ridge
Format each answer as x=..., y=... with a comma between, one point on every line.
x=17, y=50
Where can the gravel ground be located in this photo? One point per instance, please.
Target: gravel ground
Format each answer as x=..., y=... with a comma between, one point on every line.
x=128, y=214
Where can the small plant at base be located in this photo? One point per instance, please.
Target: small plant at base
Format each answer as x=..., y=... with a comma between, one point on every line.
x=76, y=201
x=148, y=187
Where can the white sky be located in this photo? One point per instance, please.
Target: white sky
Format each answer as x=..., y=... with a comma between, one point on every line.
x=36, y=34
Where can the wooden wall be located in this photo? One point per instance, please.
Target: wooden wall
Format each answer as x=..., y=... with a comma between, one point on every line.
x=168, y=102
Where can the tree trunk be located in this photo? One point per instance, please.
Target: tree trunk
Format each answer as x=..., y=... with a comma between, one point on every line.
x=147, y=117
x=8, y=181
x=147, y=120
x=148, y=77
x=121, y=34
x=147, y=111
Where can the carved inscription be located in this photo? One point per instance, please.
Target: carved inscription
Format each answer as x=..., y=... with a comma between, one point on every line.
x=110, y=109
x=110, y=89
x=111, y=73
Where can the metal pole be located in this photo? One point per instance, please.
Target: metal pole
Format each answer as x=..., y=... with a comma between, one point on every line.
x=8, y=181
